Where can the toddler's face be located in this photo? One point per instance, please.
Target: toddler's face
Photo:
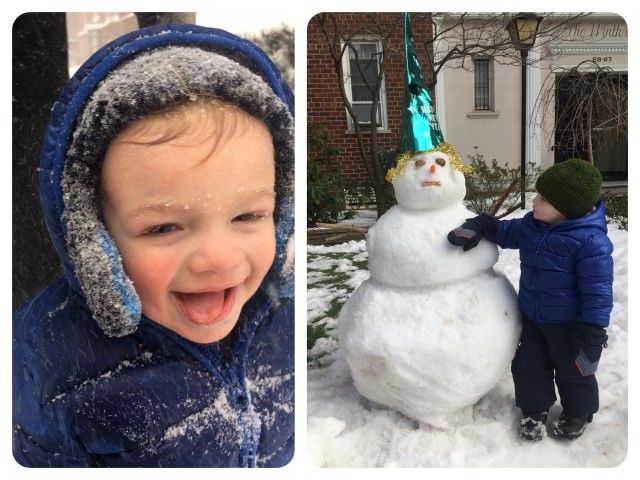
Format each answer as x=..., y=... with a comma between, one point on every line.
x=544, y=211
x=192, y=217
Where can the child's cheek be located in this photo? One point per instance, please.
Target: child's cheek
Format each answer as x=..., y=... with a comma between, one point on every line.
x=261, y=258
x=268, y=252
x=149, y=271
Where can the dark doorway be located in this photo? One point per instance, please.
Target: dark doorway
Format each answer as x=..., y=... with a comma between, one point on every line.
x=577, y=125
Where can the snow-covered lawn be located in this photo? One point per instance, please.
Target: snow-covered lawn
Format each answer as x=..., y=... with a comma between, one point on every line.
x=347, y=430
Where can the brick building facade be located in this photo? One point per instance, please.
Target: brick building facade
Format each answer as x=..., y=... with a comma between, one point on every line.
x=324, y=102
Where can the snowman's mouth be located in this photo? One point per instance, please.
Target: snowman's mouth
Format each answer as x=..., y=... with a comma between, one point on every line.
x=431, y=184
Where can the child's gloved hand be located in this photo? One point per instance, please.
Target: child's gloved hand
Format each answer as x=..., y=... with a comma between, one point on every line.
x=469, y=234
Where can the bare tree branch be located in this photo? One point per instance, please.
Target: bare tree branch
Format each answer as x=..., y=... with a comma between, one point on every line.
x=339, y=226
x=593, y=110
x=463, y=35
x=340, y=41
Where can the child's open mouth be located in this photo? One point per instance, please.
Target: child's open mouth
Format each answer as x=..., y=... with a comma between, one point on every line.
x=205, y=308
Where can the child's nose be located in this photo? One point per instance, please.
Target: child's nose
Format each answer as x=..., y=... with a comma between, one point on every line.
x=215, y=253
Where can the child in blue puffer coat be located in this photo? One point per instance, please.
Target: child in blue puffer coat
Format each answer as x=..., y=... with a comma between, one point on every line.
x=166, y=183
x=566, y=295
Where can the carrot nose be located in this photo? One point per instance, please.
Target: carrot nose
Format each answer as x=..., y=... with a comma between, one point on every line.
x=433, y=168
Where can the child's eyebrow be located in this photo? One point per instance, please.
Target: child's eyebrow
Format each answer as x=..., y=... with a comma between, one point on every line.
x=267, y=191
x=173, y=207
x=154, y=208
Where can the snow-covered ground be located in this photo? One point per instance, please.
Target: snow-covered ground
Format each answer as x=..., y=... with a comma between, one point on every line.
x=347, y=430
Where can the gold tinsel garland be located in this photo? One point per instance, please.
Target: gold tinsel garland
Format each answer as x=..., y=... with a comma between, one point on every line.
x=454, y=158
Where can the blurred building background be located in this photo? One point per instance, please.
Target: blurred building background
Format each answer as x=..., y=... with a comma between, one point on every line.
x=87, y=32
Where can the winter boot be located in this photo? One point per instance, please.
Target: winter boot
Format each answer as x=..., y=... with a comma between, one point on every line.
x=533, y=426
x=570, y=427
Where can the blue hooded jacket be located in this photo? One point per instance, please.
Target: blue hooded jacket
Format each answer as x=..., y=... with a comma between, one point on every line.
x=95, y=382
x=566, y=270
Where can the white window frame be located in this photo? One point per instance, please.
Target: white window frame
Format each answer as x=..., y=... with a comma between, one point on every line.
x=346, y=69
x=490, y=84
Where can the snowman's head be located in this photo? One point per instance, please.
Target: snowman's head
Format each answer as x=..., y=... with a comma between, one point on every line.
x=428, y=180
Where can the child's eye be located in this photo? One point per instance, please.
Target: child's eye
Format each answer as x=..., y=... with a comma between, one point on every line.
x=160, y=229
x=249, y=217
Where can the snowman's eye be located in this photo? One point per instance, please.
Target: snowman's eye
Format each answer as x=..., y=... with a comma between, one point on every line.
x=441, y=162
x=419, y=163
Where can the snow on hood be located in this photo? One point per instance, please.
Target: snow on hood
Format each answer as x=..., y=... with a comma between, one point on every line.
x=105, y=95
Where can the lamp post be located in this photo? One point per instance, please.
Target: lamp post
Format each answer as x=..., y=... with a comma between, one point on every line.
x=523, y=29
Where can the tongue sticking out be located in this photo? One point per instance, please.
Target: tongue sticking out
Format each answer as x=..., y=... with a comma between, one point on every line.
x=202, y=307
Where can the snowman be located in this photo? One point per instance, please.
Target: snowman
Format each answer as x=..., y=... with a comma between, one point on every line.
x=433, y=328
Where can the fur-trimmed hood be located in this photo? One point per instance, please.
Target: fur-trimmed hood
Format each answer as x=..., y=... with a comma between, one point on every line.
x=129, y=78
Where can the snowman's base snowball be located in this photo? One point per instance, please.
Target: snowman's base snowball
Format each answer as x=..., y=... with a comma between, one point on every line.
x=431, y=353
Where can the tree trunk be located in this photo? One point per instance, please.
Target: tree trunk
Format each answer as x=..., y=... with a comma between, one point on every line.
x=589, y=132
x=40, y=70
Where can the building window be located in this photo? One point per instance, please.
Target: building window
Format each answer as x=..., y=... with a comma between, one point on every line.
x=483, y=84
x=361, y=69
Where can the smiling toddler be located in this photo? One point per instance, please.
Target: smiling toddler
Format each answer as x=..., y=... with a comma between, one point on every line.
x=167, y=187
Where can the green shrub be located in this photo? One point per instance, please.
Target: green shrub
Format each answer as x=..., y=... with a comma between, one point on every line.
x=325, y=181
x=617, y=209
x=488, y=182
x=360, y=193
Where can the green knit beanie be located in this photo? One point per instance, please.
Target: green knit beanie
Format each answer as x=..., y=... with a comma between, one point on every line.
x=572, y=187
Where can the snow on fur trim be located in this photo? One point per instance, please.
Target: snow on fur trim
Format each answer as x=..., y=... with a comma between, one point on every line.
x=148, y=82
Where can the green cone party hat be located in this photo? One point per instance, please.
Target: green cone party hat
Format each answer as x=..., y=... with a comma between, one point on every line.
x=420, y=130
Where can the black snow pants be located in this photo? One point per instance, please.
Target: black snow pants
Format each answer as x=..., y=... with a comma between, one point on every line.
x=567, y=353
